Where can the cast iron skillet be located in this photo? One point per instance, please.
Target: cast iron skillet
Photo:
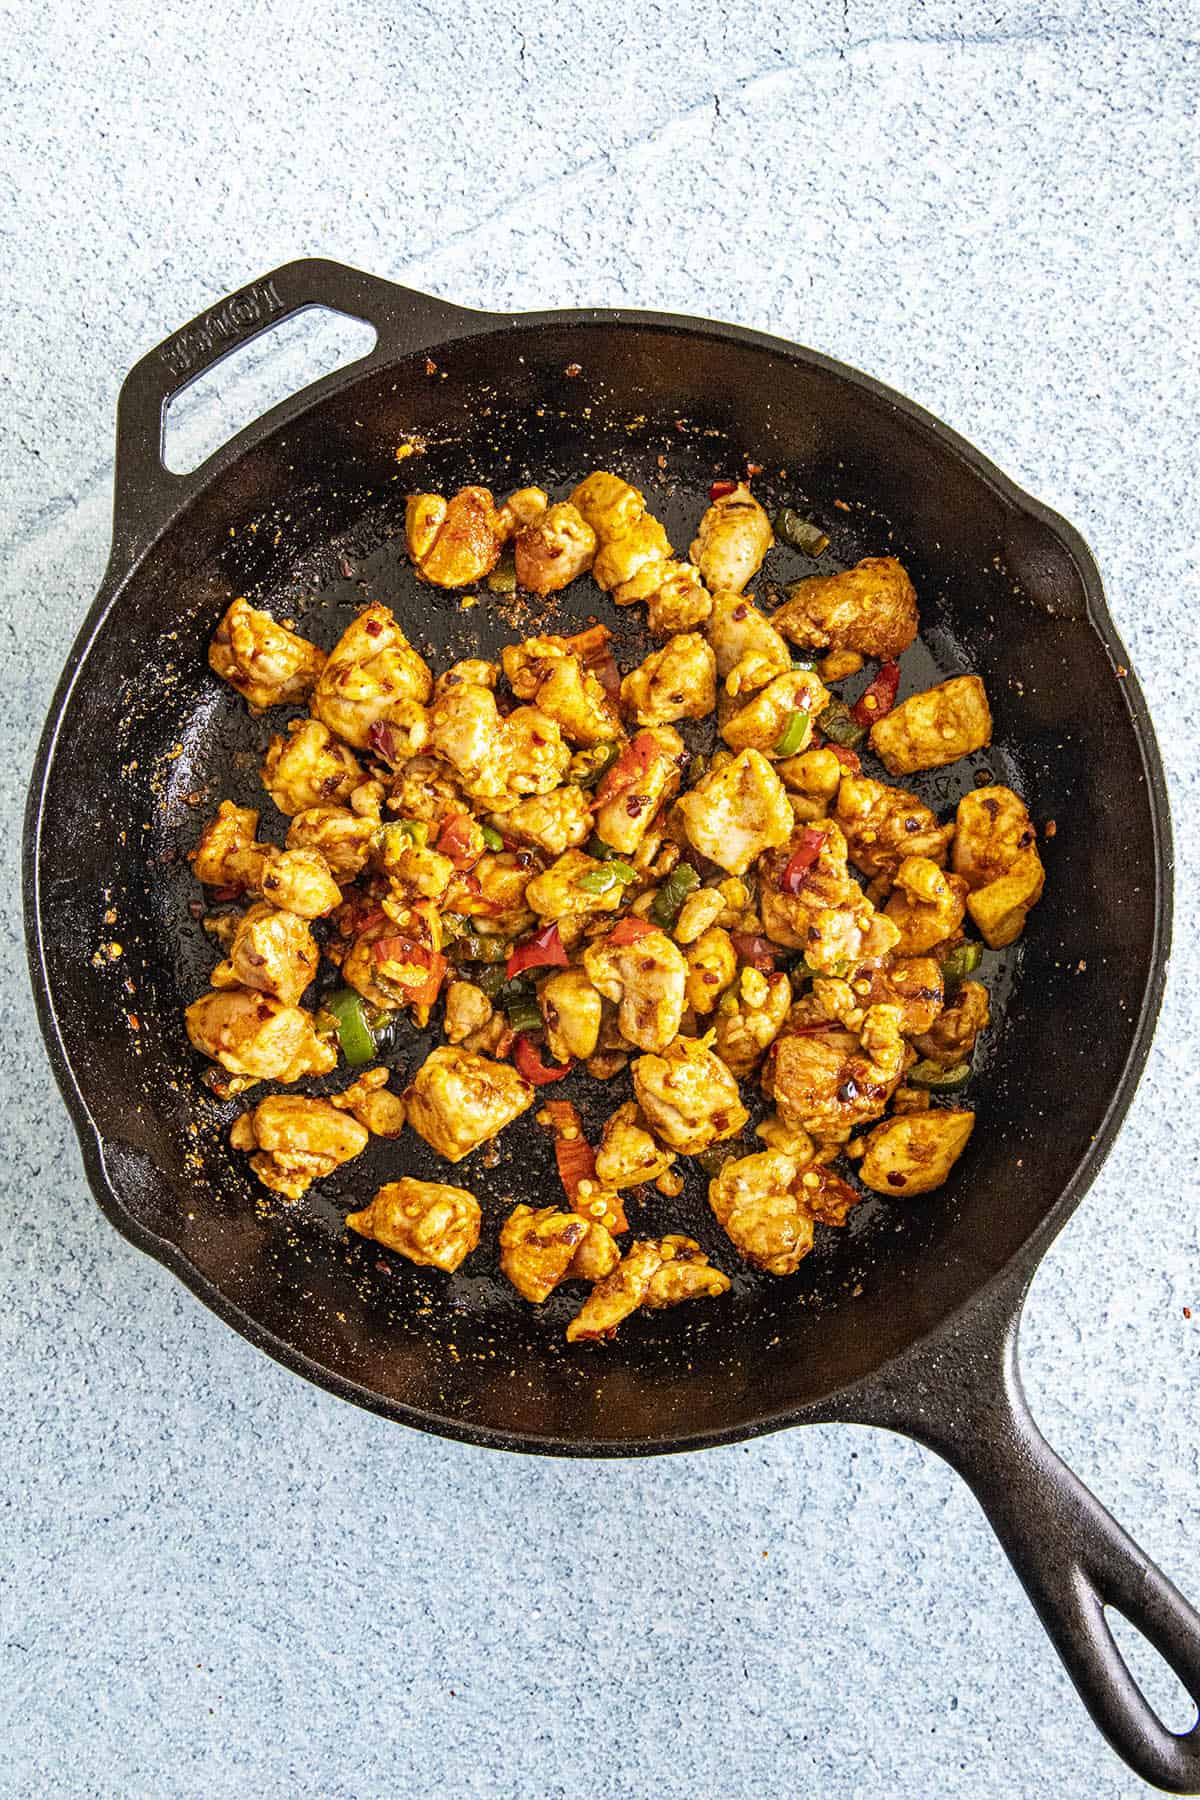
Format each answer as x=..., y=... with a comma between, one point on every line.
x=909, y=1319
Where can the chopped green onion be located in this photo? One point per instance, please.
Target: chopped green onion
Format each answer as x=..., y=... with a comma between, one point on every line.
x=795, y=734
x=524, y=1013
x=664, y=908
x=800, y=534
x=962, y=961
x=587, y=766
x=491, y=837
x=503, y=578
x=840, y=727
x=931, y=1075
x=603, y=881
x=347, y=1009
x=598, y=849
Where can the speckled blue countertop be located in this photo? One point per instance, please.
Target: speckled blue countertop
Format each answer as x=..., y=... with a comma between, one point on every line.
x=216, y=1581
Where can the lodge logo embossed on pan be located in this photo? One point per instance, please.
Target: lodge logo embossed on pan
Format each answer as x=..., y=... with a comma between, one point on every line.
x=911, y=1321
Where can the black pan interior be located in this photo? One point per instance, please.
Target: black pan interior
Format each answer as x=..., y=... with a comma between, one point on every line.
x=310, y=522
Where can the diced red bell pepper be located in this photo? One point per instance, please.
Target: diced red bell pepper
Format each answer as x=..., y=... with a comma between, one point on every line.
x=848, y=758
x=759, y=952
x=629, y=929
x=542, y=951
x=528, y=1057
x=577, y=1163
x=878, y=700
x=800, y=862
x=629, y=768
x=461, y=840
x=592, y=648
x=719, y=489
x=405, y=950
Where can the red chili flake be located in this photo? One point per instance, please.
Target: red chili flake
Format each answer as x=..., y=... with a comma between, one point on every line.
x=132, y=1020
x=430, y=366
x=741, y=612
x=897, y=1181
x=196, y=908
x=382, y=741
x=572, y=370
x=719, y=489
x=233, y=892
x=759, y=952
x=841, y=506
x=753, y=469
x=374, y=627
x=879, y=699
x=1187, y=1312
x=1051, y=828
x=848, y=758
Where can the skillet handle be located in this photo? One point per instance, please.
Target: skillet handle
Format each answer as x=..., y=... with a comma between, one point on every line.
x=1069, y=1552
x=146, y=492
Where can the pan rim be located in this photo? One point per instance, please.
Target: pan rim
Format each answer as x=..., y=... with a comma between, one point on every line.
x=839, y=1402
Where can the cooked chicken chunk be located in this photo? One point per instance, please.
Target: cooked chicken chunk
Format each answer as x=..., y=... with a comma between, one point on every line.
x=553, y=822
x=646, y=979
x=761, y=723
x=573, y=886
x=749, y=650
x=734, y=536
x=995, y=851
x=273, y=952
x=457, y=1100
x=689, y=1098
x=676, y=682
x=468, y=1010
x=372, y=680
x=257, y=1035
x=676, y=598
x=553, y=550
x=628, y=1155
x=915, y=1153
x=646, y=774
x=220, y=858
x=711, y=968
x=736, y=812
x=654, y=1274
x=540, y=1249
x=701, y=909
x=455, y=542
x=609, y=505
x=494, y=891
x=264, y=659
x=572, y=1011
x=749, y=1020
x=372, y=1103
x=913, y=983
x=298, y=881
x=883, y=825
x=828, y=1080
x=497, y=760
x=871, y=608
x=926, y=906
x=950, y=1040
x=471, y=671
x=755, y=1200
x=524, y=507
x=423, y=788
x=297, y=1141
x=645, y=546
x=306, y=766
x=429, y=1222
x=546, y=671
x=828, y=916
x=342, y=836
x=937, y=727
x=812, y=780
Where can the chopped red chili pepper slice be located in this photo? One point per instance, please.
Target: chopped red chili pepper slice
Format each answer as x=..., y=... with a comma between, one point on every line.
x=461, y=840
x=759, y=952
x=629, y=929
x=848, y=758
x=629, y=768
x=528, y=1058
x=591, y=646
x=542, y=951
x=719, y=489
x=406, y=951
x=577, y=1163
x=800, y=862
x=878, y=700
x=382, y=741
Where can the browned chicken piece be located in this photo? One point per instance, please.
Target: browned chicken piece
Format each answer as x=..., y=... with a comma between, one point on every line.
x=458, y=1100
x=931, y=729
x=883, y=825
x=455, y=542
x=540, y=1249
x=628, y=1155
x=386, y=977
x=756, y=1202
x=688, y=1097
x=273, y=952
x=734, y=536
x=778, y=1133
x=839, y=665
x=342, y=836
x=812, y=780
x=263, y=658
x=750, y=1018
x=572, y=1011
x=926, y=906
x=644, y=777
x=547, y=672
x=497, y=760
x=646, y=980
x=429, y=1222
x=677, y=682
x=227, y=856
x=257, y=1035
x=373, y=689
x=373, y=1104
x=760, y=724
x=950, y=1040
x=913, y=983
x=677, y=598
x=306, y=766
x=415, y=870
x=749, y=650
x=297, y=1141
x=871, y=608
x=828, y=1080
x=424, y=788
x=552, y=551
x=736, y=812
x=524, y=507
x=557, y=892
x=609, y=505
x=829, y=917
x=914, y=1153
x=494, y=891
x=471, y=671
x=711, y=968
x=297, y=881
x=995, y=851
x=828, y=1198
x=220, y=858
x=701, y=909
x=653, y=1273
x=619, y=561
x=468, y=1010
x=552, y=822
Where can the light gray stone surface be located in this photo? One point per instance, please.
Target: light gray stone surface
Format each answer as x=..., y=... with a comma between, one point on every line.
x=215, y=1581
